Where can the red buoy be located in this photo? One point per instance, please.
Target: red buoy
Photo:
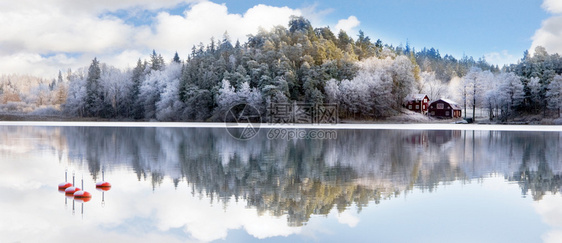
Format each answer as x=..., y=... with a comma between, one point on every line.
x=71, y=190
x=103, y=185
x=83, y=200
x=83, y=195
x=64, y=185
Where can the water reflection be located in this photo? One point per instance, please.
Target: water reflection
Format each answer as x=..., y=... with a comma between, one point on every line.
x=301, y=178
x=287, y=182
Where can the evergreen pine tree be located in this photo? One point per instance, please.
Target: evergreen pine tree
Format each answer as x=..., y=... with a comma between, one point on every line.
x=177, y=58
x=93, y=99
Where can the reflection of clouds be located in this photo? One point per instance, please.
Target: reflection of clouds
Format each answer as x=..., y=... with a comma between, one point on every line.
x=553, y=237
x=300, y=178
x=166, y=209
x=18, y=148
x=26, y=201
x=132, y=213
x=348, y=218
x=550, y=210
x=211, y=221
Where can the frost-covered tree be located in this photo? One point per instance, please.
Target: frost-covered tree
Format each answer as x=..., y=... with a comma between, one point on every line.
x=138, y=75
x=176, y=58
x=59, y=78
x=170, y=107
x=332, y=91
x=228, y=97
x=372, y=93
x=156, y=61
x=94, y=98
x=77, y=94
x=474, y=84
x=40, y=95
x=153, y=87
x=403, y=74
x=116, y=86
x=554, y=94
x=510, y=92
x=534, y=93
x=60, y=93
x=433, y=87
x=251, y=96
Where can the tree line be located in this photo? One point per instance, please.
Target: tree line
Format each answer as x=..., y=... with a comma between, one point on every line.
x=367, y=79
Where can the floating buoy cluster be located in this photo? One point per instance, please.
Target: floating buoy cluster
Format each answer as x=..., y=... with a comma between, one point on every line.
x=70, y=190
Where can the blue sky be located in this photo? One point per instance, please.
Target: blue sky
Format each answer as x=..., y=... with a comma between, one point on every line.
x=475, y=28
x=42, y=38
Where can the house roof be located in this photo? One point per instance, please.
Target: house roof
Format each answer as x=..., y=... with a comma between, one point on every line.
x=453, y=104
x=415, y=97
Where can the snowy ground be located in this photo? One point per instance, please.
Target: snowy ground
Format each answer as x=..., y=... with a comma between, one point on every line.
x=420, y=126
x=406, y=120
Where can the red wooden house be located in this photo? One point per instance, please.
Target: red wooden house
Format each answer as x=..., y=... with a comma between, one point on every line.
x=444, y=108
x=417, y=102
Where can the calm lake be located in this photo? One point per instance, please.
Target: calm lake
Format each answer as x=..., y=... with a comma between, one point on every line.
x=201, y=185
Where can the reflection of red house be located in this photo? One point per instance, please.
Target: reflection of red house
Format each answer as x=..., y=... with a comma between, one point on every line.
x=444, y=108
x=417, y=102
x=440, y=137
x=418, y=139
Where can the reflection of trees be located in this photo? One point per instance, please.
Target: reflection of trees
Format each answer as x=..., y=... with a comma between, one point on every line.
x=283, y=178
x=305, y=177
x=299, y=178
x=535, y=173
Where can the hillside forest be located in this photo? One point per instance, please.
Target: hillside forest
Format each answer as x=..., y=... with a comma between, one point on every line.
x=298, y=63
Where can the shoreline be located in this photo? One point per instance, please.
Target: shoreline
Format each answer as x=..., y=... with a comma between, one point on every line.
x=341, y=126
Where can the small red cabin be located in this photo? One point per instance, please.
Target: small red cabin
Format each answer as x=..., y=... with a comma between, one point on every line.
x=444, y=108
x=417, y=103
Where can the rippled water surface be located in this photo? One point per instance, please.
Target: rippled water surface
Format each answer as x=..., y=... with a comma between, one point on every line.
x=201, y=185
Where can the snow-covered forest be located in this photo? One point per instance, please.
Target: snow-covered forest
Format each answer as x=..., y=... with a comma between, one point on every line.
x=366, y=78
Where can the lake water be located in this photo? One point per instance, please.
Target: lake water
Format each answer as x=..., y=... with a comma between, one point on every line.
x=201, y=185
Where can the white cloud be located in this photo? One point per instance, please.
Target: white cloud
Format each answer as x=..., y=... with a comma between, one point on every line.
x=35, y=64
x=549, y=35
x=348, y=218
x=553, y=237
x=348, y=24
x=125, y=59
x=205, y=20
x=123, y=218
x=43, y=37
x=500, y=58
x=550, y=210
x=553, y=6
x=100, y=6
x=55, y=29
